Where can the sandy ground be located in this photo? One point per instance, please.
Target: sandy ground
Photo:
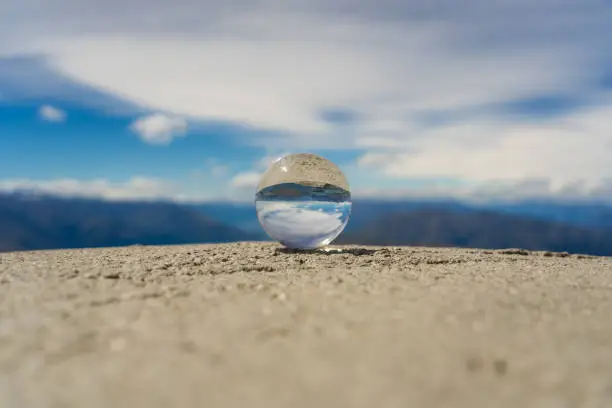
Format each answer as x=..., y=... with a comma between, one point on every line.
x=247, y=325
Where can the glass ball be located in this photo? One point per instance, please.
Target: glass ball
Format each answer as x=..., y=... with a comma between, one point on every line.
x=303, y=201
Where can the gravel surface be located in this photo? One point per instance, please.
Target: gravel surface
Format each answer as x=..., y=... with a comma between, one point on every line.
x=252, y=325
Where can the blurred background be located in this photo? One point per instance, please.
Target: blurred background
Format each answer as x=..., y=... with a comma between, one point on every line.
x=478, y=123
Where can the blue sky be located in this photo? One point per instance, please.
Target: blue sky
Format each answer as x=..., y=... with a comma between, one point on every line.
x=191, y=100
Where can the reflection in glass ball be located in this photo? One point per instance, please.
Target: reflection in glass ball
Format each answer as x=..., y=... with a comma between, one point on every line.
x=303, y=201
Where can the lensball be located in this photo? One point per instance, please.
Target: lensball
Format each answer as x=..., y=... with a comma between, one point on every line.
x=303, y=201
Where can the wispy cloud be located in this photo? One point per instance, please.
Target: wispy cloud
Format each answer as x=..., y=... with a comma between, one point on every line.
x=52, y=114
x=26, y=76
x=133, y=189
x=219, y=170
x=216, y=167
x=158, y=128
x=485, y=92
x=278, y=67
x=498, y=190
x=568, y=150
x=300, y=226
x=246, y=181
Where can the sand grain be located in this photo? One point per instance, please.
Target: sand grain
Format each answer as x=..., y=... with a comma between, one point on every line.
x=247, y=325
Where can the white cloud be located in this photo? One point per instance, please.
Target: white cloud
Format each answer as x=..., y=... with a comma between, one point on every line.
x=214, y=167
x=382, y=142
x=246, y=180
x=569, y=155
x=283, y=85
x=158, y=128
x=502, y=191
x=277, y=66
x=132, y=189
x=299, y=226
x=219, y=170
x=51, y=113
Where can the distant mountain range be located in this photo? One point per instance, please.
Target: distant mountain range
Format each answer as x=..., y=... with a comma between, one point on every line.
x=28, y=221
x=478, y=229
x=42, y=222
x=242, y=215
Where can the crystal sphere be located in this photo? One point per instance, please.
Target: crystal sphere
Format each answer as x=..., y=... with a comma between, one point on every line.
x=303, y=201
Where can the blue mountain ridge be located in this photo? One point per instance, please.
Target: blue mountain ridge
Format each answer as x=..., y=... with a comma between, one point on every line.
x=33, y=221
